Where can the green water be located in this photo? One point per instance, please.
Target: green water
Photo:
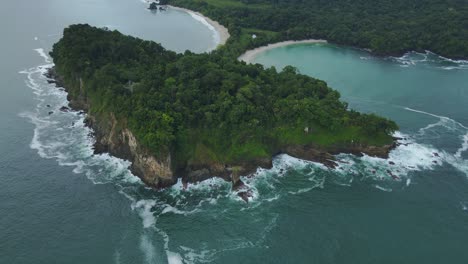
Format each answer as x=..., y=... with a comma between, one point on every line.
x=62, y=204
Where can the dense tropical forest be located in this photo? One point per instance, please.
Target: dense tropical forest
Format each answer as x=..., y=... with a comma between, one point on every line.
x=387, y=27
x=206, y=106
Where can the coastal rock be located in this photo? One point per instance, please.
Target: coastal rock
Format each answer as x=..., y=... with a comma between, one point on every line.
x=64, y=109
x=120, y=142
x=113, y=136
x=153, y=6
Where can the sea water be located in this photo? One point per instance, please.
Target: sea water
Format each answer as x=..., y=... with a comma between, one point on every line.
x=60, y=203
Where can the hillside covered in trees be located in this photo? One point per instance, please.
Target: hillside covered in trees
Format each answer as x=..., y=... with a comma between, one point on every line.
x=387, y=27
x=206, y=107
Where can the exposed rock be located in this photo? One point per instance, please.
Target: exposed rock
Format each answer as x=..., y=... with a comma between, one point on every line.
x=153, y=6
x=51, y=112
x=395, y=177
x=64, y=109
x=121, y=142
x=54, y=77
x=245, y=195
x=391, y=163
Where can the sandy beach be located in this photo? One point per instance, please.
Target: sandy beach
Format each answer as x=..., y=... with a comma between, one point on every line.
x=222, y=33
x=250, y=55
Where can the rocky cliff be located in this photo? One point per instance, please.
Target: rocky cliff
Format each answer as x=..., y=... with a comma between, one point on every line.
x=113, y=136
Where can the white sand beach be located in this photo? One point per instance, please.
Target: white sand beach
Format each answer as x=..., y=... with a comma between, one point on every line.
x=221, y=32
x=250, y=55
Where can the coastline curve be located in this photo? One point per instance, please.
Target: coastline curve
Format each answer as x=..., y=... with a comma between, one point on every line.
x=221, y=33
x=250, y=55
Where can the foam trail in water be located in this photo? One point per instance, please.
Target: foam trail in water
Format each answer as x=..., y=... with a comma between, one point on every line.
x=430, y=59
x=463, y=148
x=434, y=115
x=456, y=159
x=43, y=54
x=148, y=249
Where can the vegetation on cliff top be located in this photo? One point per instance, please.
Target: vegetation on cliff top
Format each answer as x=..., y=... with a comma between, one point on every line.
x=206, y=107
x=387, y=27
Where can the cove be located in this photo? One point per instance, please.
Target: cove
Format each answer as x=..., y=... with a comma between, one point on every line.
x=426, y=82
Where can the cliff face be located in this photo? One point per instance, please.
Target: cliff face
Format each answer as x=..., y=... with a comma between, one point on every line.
x=112, y=137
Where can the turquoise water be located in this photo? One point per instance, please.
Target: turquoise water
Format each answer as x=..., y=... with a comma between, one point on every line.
x=62, y=204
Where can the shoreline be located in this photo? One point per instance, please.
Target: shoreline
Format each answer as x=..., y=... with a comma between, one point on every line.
x=221, y=32
x=250, y=55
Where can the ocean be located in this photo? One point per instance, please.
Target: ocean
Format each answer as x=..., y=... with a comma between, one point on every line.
x=60, y=203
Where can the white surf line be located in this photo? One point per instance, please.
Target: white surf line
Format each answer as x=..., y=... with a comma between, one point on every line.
x=434, y=115
x=43, y=54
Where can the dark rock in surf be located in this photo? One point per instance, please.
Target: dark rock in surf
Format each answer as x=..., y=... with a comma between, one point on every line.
x=64, y=109
x=153, y=6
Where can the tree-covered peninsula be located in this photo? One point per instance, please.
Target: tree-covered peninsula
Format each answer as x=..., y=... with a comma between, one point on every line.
x=200, y=115
x=387, y=27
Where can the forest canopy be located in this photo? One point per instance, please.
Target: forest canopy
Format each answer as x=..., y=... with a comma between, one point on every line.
x=387, y=27
x=206, y=105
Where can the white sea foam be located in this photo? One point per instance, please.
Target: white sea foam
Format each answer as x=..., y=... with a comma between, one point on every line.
x=408, y=182
x=148, y=249
x=437, y=116
x=464, y=206
x=144, y=208
x=43, y=54
x=303, y=190
x=174, y=258
x=215, y=33
x=430, y=59
x=456, y=159
x=170, y=209
x=383, y=188
x=464, y=146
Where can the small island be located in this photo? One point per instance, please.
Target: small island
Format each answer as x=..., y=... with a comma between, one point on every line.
x=195, y=116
